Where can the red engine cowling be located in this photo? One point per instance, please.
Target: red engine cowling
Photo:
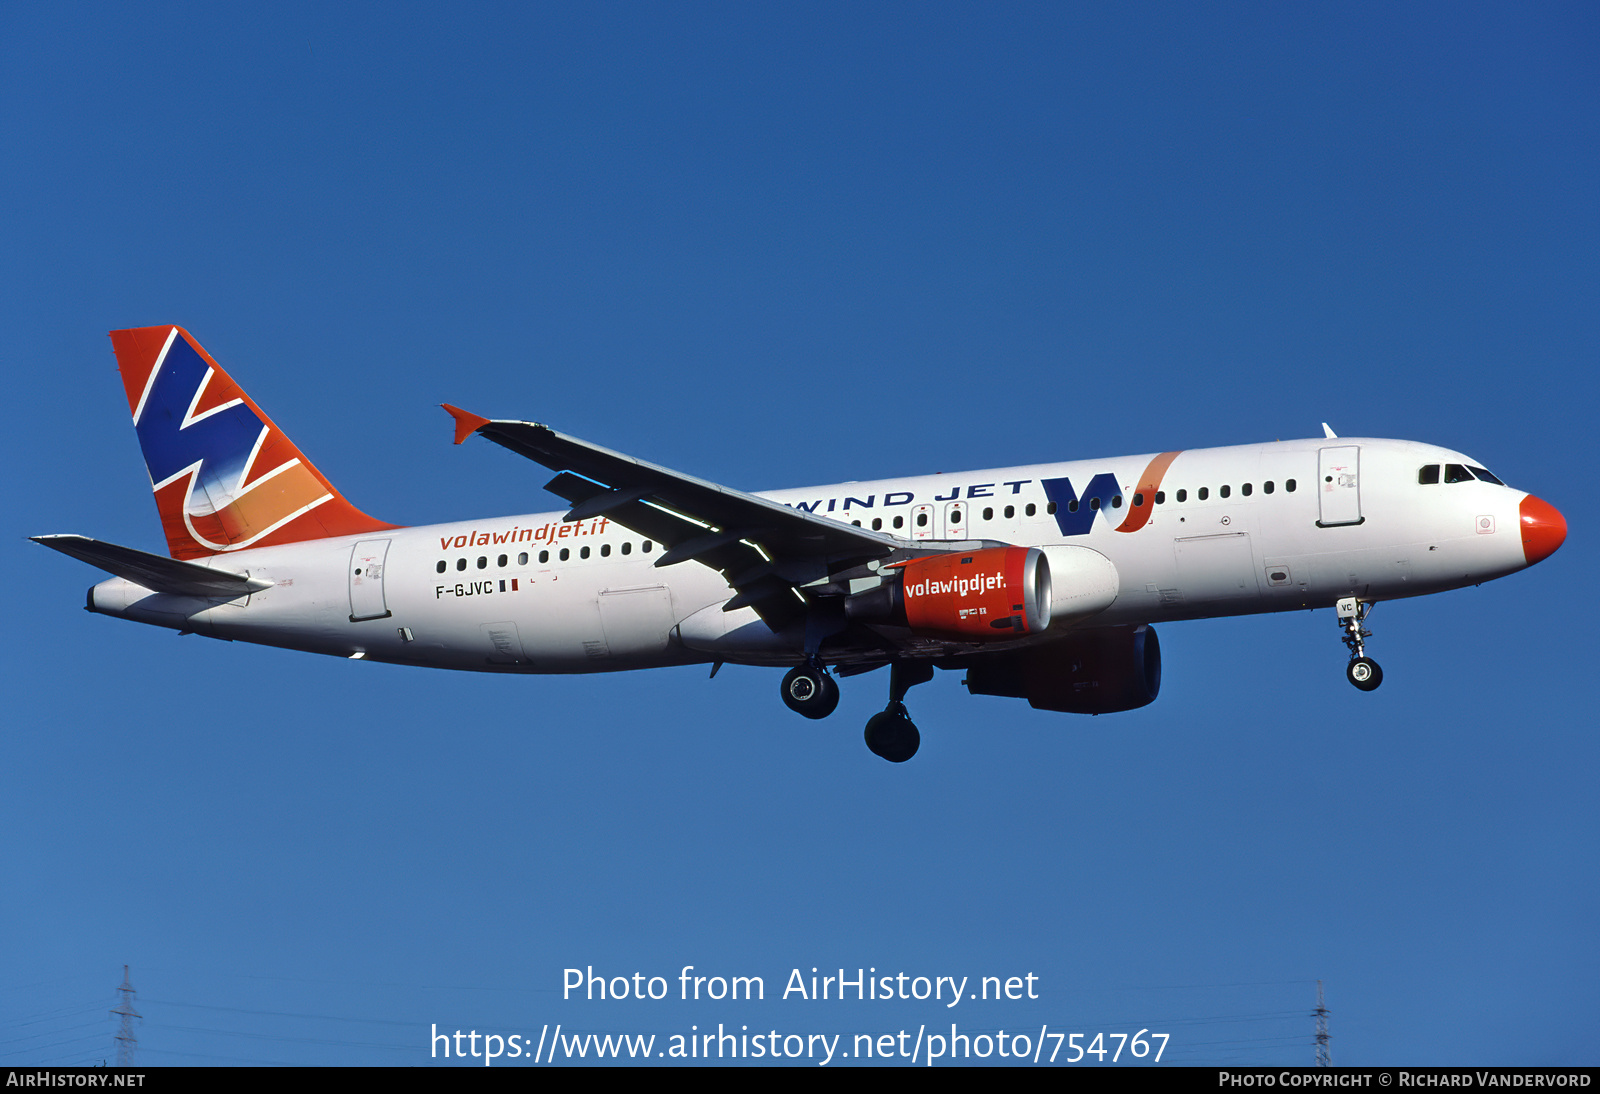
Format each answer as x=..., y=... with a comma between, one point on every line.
x=984, y=596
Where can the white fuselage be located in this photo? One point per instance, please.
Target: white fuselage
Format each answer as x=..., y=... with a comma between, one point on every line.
x=498, y=595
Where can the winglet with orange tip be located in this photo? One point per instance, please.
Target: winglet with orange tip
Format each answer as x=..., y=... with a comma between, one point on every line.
x=467, y=423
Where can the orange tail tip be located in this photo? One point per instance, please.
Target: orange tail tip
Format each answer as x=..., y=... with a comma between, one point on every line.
x=225, y=477
x=467, y=423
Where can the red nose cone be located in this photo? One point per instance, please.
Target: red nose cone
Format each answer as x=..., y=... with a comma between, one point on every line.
x=1543, y=529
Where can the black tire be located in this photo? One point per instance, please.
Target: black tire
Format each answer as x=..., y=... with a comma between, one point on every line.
x=1364, y=673
x=810, y=692
x=893, y=735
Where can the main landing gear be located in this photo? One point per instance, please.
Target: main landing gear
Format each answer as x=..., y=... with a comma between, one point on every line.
x=891, y=733
x=808, y=689
x=1363, y=671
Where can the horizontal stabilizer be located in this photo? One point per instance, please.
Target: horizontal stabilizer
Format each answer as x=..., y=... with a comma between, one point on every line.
x=155, y=572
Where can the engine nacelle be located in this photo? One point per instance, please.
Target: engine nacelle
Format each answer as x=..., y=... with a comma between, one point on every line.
x=1091, y=672
x=1083, y=582
x=983, y=596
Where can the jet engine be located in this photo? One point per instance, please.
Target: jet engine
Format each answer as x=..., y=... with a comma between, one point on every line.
x=1089, y=672
x=978, y=596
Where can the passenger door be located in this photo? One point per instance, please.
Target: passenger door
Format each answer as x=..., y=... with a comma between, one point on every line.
x=366, y=580
x=1339, y=485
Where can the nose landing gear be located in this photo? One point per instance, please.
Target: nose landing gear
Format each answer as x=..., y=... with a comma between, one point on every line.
x=1362, y=671
x=891, y=733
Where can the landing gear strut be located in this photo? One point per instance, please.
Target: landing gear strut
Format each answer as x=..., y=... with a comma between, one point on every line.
x=808, y=689
x=891, y=733
x=1362, y=671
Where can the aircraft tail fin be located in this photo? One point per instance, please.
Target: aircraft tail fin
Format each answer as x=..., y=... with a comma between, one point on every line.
x=225, y=477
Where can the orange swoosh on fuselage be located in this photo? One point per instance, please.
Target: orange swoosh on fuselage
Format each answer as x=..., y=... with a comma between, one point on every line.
x=1145, y=493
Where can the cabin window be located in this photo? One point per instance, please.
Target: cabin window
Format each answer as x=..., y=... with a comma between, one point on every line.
x=646, y=546
x=1224, y=491
x=1267, y=487
x=1051, y=509
x=544, y=556
x=1138, y=500
x=1072, y=506
x=583, y=552
x=877, y=524
x=501, y=561
x=922, y=520
x=440, y=568
x=566, y=553
x=899, y=522
x=1011, y=511
x=1161, y=497
x=1247, y=490
x=1116, y=502
x=1094, y=503
x=522, y=559
x=857, y=523
x=483, y=562
x=1203, y=493
x=1288, y=484
x=1032, y=509
x=988, y=514
x=1183, y=495
x=605, y=550
x=627, y=547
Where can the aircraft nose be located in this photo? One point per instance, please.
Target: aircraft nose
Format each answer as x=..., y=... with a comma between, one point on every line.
x=1543, y=529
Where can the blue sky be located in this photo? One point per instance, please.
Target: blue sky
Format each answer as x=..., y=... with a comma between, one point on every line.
x=772, y=246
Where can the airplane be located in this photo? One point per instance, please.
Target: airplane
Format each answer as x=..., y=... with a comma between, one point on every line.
x=1040, y=582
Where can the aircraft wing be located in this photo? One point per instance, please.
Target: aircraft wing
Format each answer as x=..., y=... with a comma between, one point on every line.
x=764, y=549
x=155, y=572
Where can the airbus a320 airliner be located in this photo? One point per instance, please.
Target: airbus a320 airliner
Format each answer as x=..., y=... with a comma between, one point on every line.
x=1041, y=583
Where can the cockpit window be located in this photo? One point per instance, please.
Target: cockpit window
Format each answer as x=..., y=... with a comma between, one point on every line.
x=1455, y=472
x=1484, y=475
x=1429, y=476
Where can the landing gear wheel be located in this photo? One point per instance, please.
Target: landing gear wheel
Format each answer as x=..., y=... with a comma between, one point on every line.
x=809, y=691
x=1364, y=673
x=893, y=735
